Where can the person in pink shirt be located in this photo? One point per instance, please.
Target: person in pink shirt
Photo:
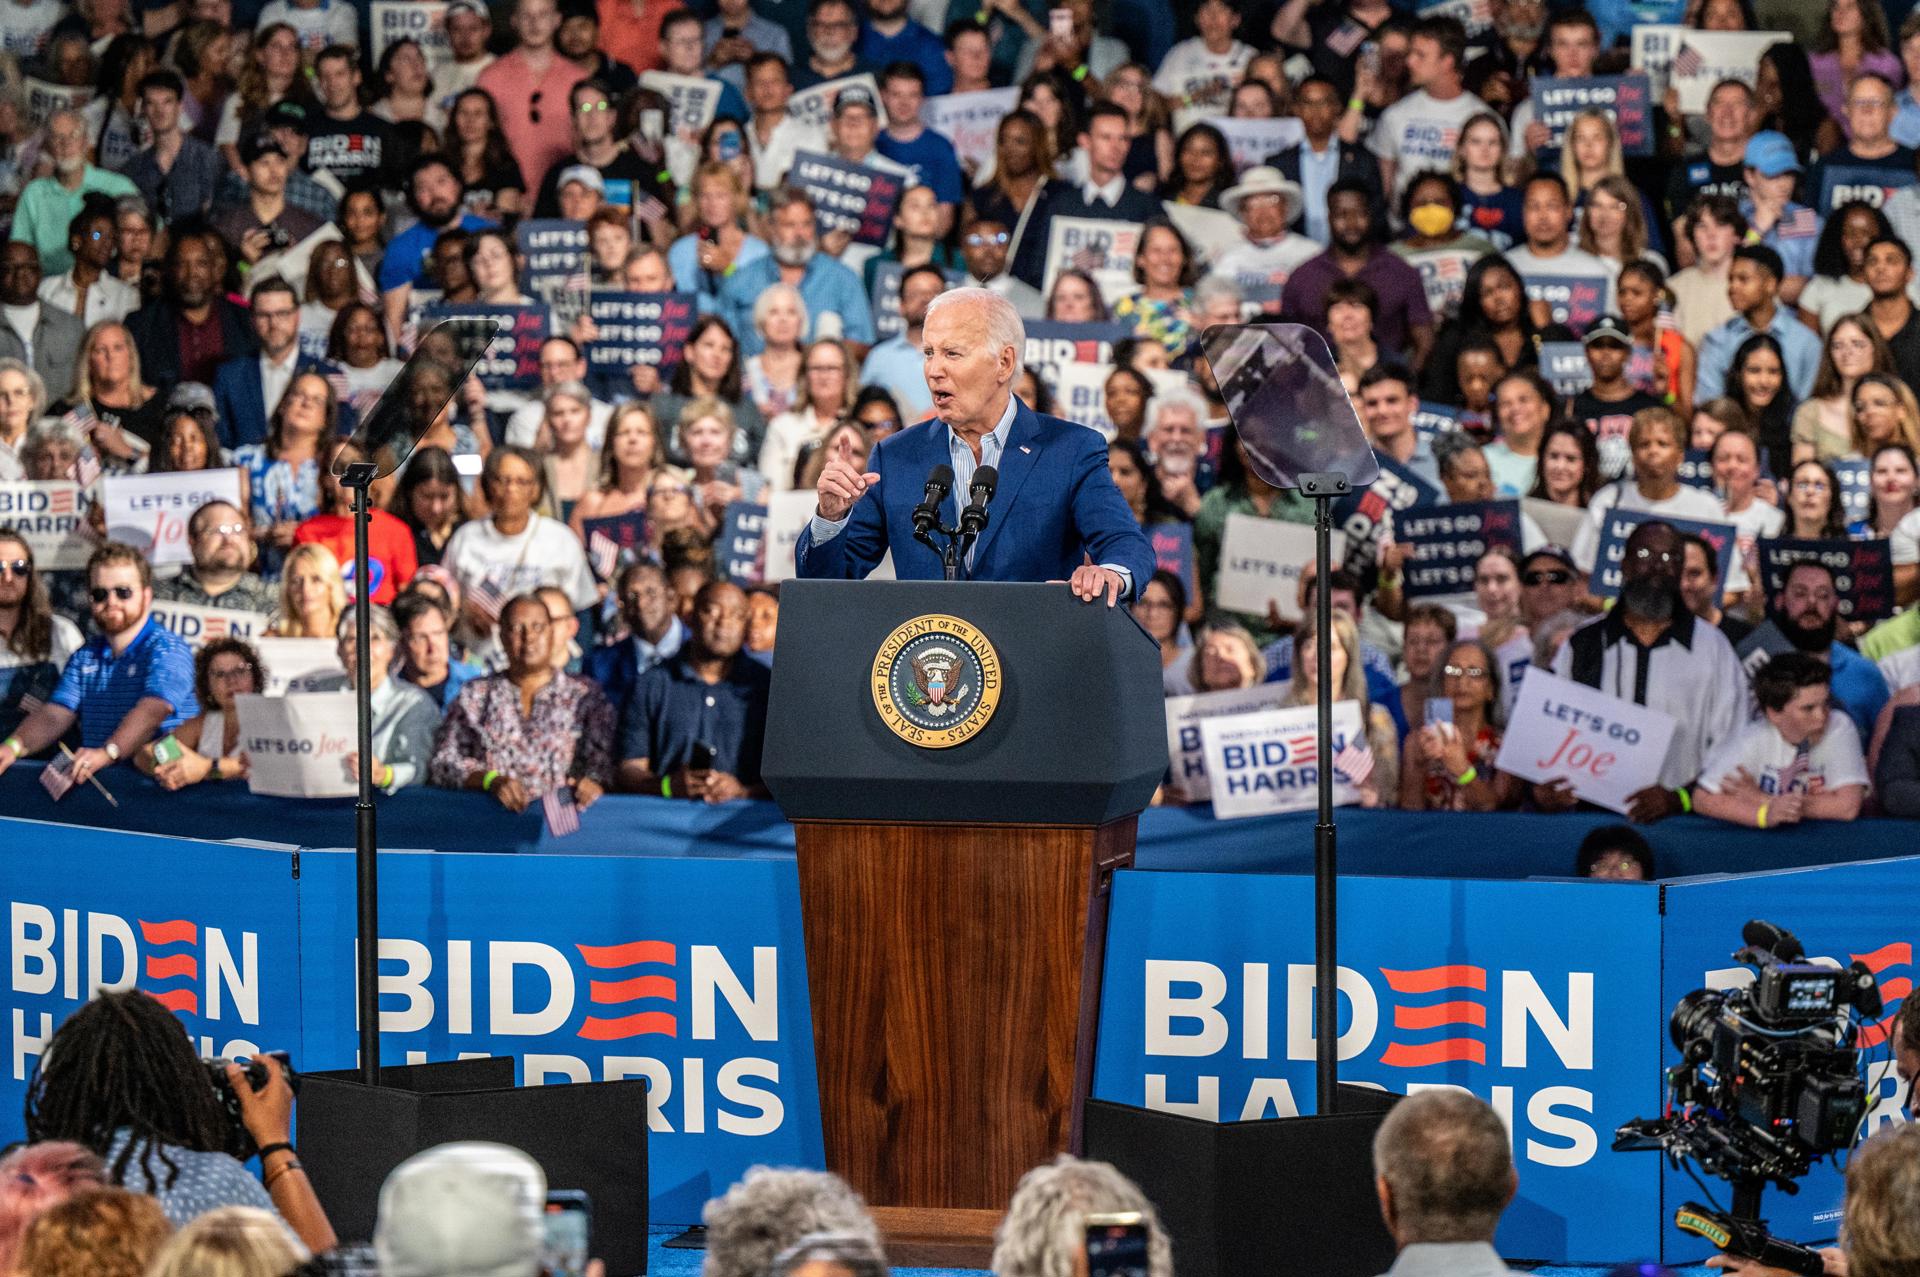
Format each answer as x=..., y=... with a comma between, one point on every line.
x=529, y=87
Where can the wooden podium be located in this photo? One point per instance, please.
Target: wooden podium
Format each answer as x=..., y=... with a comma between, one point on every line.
x=954, y=872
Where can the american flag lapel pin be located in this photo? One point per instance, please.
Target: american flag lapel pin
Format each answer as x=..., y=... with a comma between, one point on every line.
x=1025, y=448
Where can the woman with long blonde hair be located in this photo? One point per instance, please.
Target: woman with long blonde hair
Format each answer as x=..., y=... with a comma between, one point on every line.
x=1381, y=788
x=312, y=594
x=129, y=417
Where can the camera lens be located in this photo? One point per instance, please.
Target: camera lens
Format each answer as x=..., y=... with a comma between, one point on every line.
x=1693, y=1017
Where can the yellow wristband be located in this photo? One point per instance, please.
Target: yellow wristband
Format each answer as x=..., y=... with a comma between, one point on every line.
x=1686, y=799
x=486, y=782
x=666, y=786
x=13, y=743
x=1356, y=104
x=1760, y=817
x=387, y=778
x=1468, y=776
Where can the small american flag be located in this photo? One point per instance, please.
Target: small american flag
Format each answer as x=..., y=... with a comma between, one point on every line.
x=57, y=778
x=1663, y=320
x=31, y=704
x=1793, y=777
x=604, y=553
x=649, y=209
x=1687, y=61
x=86, y=468
x=579, y=281
x=563, y=817
x=488, y=598
x=1801, y=224
x=338, y=380
x=1354, y=763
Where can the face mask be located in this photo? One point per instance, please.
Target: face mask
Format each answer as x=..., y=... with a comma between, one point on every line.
x=1431, y=220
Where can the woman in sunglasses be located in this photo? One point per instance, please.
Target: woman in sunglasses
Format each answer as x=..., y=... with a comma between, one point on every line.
x=35, y=642
x=1449, y=762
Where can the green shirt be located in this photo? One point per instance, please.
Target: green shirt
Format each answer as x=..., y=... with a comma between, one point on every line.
x=47, y=209
x=1210, y=527
x=1894, y=634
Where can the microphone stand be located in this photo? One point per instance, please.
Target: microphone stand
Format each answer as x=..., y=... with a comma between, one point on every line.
x=359, y=477
x=1325, y=489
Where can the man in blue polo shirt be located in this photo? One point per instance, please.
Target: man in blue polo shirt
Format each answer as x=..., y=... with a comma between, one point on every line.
x=132, y=681
x=889, y=35
x=437, y=197
x=836, y=304
x=695, y=724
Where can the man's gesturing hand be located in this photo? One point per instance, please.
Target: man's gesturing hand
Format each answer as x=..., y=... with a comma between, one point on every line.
x=841, y=483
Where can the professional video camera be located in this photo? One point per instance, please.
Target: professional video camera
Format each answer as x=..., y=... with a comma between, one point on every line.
x=1768, y=1083
x=239, y=1141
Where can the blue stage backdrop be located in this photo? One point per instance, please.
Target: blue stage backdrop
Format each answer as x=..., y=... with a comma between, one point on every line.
x=689, y=973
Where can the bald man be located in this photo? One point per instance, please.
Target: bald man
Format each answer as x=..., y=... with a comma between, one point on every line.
x=1055, y=516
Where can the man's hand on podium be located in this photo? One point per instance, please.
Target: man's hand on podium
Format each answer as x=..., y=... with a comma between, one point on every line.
x=1090, y=581
x=841, y=483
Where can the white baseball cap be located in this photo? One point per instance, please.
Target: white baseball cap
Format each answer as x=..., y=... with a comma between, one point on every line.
x=470, y=1209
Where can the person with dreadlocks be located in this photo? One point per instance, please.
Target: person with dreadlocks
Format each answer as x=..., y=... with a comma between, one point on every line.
x=120, y=1077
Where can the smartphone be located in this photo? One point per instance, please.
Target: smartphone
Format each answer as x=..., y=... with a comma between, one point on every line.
x=166, y=749
x=1060, y=24
x=568, y=1233
x=653, y=126
x=701, y=759
x=1117, y=1245
x=728, y=144
x=1439, y=711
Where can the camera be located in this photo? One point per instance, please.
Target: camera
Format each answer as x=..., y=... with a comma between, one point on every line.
x=239, y=1141
x=1768, y=1083
x=279, y=237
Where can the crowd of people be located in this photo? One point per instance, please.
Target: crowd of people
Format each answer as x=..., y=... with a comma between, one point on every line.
x=223, y=257
x=128, y=1172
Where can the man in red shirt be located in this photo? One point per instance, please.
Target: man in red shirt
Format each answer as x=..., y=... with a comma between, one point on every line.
x=630, y=30
x=529, y=87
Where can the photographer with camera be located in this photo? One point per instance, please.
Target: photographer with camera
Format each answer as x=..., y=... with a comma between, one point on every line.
x=120, y=1077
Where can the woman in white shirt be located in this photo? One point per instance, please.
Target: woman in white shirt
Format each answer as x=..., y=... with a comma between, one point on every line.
x=1736, y=476
x=826, y=395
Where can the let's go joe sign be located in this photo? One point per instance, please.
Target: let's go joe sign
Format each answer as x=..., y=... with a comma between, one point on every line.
x=1606, y=749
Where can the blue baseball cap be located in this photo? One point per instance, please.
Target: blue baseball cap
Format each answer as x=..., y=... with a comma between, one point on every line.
x=1772, y=154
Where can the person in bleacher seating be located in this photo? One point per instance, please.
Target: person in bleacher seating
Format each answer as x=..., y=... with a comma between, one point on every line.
x=108, y=1232
x=772, y=1209
x=1443, y=1170
x=1449, y=761
x=404, y=717
x=234, y=1241
x=429, y=662
x=1800, y=762
x=1043, y=1233
x=34, y=1178
x=209, y=742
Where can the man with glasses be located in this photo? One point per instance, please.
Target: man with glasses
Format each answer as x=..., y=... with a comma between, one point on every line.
x=221, y=542
x=1549, y=584
x=45, y=338
x=1652, y=651
x=1871, y=165
x=983, y=246
x=833, y=37
x=176, y=172
x=628, y=178
x=132, y=681
x=428, y=659
x=654, y=632
x=529, y=86
x=49, y=204
x=247, y=388
x=561, y=361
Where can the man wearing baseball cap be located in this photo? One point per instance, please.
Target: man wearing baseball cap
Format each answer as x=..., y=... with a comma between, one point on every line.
x=469, y=27
x=1773, y=218
x=267, y=221
x=469, y=1209
x=1265, y=204
x=286, y=122
x=1608, y=405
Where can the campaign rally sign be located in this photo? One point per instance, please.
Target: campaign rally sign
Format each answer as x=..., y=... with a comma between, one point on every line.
x=44, y=98
x=1080, y=394
x=1855, y=476
x=1269, y=761
x=1617, y=525
x=813, y=107
x=1186, y=760
x=1626, y=98
x=788, y=514
x=1250, y=142
x=1696, y=468
x=1365, y=516
x=1575, y=300
x=1605, y=748
x=1845, y=183
x=1051, y=345
x=1443, y=277
x=1564, y=363
x=638, y=328
x=51, y=518
x=691, y=101
x=1173, y=551
x=854, y=198
x=197, y=625
x=1694, y=61
x=1447, y=541
x=969, y=120
x=150, y=511
x=742, y=540
x=1432, y=419
x=555, y=265
x=422, y=21
x=297, y=746
x=1261, y=561
x=512, y=362
x=1212, y=232
x=1475, y=15
x=1862, y=572
x=299, y=664
x=613, y=541
x=1559, y=524
x=885, y=297
x=1102, y=248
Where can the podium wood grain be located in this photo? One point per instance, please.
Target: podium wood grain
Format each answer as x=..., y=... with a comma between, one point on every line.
x=954, y=976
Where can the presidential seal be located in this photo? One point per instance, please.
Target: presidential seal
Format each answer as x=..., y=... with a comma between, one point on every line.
x=936, y=681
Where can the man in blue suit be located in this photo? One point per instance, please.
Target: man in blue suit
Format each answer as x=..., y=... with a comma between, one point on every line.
x=1056, y=516
x=247, y=387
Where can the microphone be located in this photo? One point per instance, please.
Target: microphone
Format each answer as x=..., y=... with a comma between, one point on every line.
x=986, y=481
x=1774, y=939
x=926, y=515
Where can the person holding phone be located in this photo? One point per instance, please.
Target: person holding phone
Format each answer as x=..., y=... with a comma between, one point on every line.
x=1089, y=1210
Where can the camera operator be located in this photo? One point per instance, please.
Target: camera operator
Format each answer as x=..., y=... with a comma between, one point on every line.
x=120, y=1077
x=1882, y=1225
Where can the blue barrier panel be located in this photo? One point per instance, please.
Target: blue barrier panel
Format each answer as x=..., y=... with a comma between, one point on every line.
x=687, y=972
x=1538, y=997
x=87, y=909
x=1840, y=912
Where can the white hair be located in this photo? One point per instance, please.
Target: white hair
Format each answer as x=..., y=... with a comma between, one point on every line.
x=1176, y=399
x=1045, y=1223
x=1004, y=326
x=764, y=303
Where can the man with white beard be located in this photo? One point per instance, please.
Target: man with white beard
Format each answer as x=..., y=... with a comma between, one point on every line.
x=49, y=204
x=836, y=303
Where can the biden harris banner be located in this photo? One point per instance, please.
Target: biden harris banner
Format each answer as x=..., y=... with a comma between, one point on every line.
x=1187, y=762
x=51, y=517
x=1269, y=761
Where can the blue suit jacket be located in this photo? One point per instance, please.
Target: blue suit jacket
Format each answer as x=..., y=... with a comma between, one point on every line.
x=1056, y=503
x=242, y=403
